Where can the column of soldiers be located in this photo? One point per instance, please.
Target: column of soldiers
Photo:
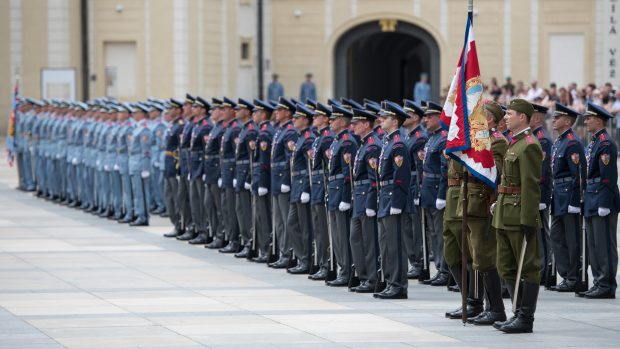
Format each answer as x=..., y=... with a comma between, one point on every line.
x=361, y=196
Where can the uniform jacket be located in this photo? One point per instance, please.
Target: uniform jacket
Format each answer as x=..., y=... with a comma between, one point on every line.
x=394, y=169
x=435, y=165
x=320, y=146
x=415, y=146
x=212, y=169
x=365, y=167
x=249, y=133
x=227, y=152
x=283, y=143
x=341, y=153
x=567, y=167
x=602, y=187
x=300, y=178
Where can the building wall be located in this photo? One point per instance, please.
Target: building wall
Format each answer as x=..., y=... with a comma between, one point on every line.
x=194, y=45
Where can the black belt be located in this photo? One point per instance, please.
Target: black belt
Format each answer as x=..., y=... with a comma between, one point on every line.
x=212, y=157
x=299, y=173
x=279, y=163
x=227, y=161
x=197, y=152
x=243, y=162
x=384, y=183
x=362, y=182
x=338, y=176
x=319, y=172
x=562, y=180
x=594, y=180
x=431, y=175
x=414, y=173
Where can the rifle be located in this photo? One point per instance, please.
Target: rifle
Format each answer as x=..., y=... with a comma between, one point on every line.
x=354, y=280
x=582, y=284
x=253, y=252
x=331, y=272
x=312, y=252
x=425, y=273
x=381, y=284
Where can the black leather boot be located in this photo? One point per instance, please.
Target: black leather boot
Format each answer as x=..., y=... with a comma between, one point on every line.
x=510, y=286
x=493, y=290
x=474, y=294
x=524, y=322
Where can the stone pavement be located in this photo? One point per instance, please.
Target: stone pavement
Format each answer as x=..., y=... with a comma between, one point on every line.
x=72, y=280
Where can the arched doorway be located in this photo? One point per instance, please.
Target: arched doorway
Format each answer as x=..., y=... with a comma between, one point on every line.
x=372, y=61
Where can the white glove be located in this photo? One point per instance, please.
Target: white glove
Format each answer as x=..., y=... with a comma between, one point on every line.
x=219, y=182
x=116, y=168
x=247, y=186
x=106, y=168
x=234, y=182
x=542, y=207
x=262, y=191
x=98, y=162
x=573, y=209
x=156, y=164
x=394, y=211
x=344, y=206
x=204, y=177
x=416, y=202
x=189, y=176
x=32, y=149
x=285, y=188
x=370, y=212
x=305, y=198
x=145, y=174
x=492, y=210
x=603, y=211
x=74, y=161
x=440, y=204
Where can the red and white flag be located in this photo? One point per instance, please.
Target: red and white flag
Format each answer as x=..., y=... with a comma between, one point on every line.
x=469, y=140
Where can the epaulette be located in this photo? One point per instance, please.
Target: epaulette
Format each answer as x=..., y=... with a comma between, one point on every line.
x=345, y=137
x=602, y=137
x=396, y=138
x=570, y=137
x=371, y=140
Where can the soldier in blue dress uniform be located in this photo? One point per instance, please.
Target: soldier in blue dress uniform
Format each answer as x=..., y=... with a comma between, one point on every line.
x=363, y=236
x=243, y=203
x=260, y=150
x=434, y=186
x=184, y=159
x=601, y=204
x=171, y=166
x=412, y=219
x=536, y=124
x=319, y=164
x=212, y=172
x=567, y=169
x=341, y=154
x=202, y=128
x=394, y=177
x=283, y=143
x=299, y=220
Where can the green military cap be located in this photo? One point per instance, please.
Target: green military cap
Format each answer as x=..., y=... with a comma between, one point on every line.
x=495, y=109
x=521, y=106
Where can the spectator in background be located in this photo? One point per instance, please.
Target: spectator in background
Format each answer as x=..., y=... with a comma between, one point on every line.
x=565, y=97
x=509, y=86
x=615, y=111
x=572, y=89
x=534, y=91
x=579, y=103
x=505, y=97
x=494, y=90
x=307, y=90
x=521, y=91
x=275, y=90
x=422, y=89
x=552, y=94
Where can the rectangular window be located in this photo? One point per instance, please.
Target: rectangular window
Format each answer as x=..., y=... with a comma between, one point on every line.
x=245, y=58
x=120, y=69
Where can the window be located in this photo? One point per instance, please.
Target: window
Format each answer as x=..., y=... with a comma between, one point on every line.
x=245, y=58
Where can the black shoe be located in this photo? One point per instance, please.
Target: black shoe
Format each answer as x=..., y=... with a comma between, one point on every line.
x=319, y=275
x=582, y=294
x=391, y=293
x=72, y=203
x=441, y=280
x=454, y=288
x=164, y=214
x=365, y=287
x=498, y=324
x=414, y=272
x=139, y=223
x=159, y=211
x=244, y=253
x=524, y=322
x=564, y=286
x=472, y=311
x=488, y=318
x=201, y=239
x=188, y=235
x=173, y=234
x=127, y=219
x=232, y=247
x=599, y=293
x=301, y=268
x=281, y=263
x=260, y=259
x=429, y=281
x=338, y=282
x=217, y=243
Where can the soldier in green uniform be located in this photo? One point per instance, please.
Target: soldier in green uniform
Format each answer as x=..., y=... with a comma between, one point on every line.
x=516, y=217
x=481, y=237
x=452, y=228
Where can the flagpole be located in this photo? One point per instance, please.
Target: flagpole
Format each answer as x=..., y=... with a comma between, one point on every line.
x=464, y=247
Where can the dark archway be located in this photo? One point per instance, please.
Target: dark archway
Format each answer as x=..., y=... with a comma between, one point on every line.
x=370, y=63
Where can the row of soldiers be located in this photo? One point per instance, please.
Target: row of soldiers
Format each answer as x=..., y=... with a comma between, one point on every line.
x=362, y=196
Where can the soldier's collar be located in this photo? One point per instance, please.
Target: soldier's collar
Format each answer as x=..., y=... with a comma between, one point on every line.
x=264, y=122
x=248, y=122
x=368, y=135
x=391, y=134
x=570, y=129
x=523, y=132
x=598, y=133
x=342, y=133
x=323, y=129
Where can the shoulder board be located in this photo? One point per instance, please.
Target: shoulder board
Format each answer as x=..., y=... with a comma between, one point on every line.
x=417, y=134
x=290, y=126
x=251, y=126
x=396, y=138
x=371, y=140
x=326, y=133
x=444, y=133
x=602, y=137
x=345, y=137
x=570, y=136
x=234, y=124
